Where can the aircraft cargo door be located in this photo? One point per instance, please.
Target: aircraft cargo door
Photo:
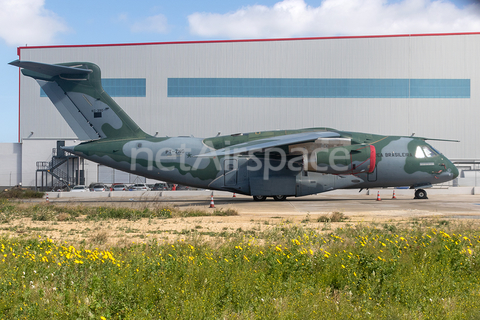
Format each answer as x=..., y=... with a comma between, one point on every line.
x=230, y=167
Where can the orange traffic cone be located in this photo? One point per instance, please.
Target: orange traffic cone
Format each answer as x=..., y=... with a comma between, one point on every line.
x=378, y=196
x=46, y=199
x=212, y=205
x=234, y=196
x=394, y=196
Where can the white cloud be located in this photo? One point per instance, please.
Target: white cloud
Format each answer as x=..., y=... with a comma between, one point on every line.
x=293, y=18
x=28, y=22
x=155, y=24
x=122, y=17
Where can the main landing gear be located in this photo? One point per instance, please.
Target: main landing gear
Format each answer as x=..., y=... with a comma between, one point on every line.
x=420, y=194
x=276, y=198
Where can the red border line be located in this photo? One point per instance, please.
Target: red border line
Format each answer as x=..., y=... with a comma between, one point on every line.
x=245, y=40
x=19, y=78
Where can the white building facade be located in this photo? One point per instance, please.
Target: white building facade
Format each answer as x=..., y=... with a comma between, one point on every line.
x=425, y=85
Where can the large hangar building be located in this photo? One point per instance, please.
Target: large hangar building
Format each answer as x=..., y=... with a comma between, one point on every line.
x=427, y=85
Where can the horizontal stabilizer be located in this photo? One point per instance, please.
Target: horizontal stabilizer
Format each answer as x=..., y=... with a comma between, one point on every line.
x=49, y=69
x=258, y=145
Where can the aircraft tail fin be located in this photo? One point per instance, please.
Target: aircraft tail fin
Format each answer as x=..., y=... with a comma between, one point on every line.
x=76, y=91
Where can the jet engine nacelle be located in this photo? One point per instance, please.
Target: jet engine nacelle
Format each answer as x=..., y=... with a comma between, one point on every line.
x=342, y=160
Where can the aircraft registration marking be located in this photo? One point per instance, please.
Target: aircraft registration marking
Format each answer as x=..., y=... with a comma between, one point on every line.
x=394, y=154
x=172, y=152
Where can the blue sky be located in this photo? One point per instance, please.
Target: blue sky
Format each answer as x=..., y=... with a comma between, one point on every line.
x=60, y=22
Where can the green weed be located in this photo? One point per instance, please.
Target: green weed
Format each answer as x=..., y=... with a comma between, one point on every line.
x=293, y=272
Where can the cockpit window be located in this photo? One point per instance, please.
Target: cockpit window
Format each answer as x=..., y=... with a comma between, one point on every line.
x=428, y=151
x=424, y=152
x=419, y=153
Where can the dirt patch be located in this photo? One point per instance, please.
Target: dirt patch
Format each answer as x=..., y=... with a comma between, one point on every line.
x=254, y=218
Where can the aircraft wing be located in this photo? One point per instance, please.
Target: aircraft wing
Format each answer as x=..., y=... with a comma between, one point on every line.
x=261, y=144
x=433, y=139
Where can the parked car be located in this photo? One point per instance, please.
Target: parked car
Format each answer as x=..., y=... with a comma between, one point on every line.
x=160, y=186
x=99, y=188
x=118, y=187
x=79, y=188
x=140, y=187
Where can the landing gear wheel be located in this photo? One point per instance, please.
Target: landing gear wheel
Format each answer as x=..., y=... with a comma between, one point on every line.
x=259, y=198
x=280, y=198
x=420, y=194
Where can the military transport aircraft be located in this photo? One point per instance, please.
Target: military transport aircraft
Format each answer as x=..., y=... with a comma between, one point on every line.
x=276, y=164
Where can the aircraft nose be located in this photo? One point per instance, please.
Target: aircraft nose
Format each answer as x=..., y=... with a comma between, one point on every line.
x=454, y=170
x=451, y=170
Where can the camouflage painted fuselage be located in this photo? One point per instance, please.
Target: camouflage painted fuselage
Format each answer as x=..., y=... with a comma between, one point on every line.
x=397, y=163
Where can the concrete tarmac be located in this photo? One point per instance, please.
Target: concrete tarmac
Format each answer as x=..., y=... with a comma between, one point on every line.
x=355, y=206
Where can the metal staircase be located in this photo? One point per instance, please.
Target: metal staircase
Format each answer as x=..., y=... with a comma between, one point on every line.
x=62, y=172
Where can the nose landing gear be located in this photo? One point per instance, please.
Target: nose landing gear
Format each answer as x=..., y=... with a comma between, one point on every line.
x=420, y=194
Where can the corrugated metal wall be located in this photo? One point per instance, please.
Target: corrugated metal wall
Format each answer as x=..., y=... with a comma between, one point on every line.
x=405, y=57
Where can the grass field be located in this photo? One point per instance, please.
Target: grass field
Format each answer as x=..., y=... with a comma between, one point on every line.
x=420, y=269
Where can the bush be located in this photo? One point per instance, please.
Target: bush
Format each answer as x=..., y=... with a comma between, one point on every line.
x=17, y=193
x=7, y=211
x=225, y=212
x=165, y=213
x=43, y=213
x=99, y=238
x=333, y=217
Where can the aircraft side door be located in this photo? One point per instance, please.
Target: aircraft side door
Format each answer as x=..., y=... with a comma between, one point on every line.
x=372, y=177
x=230, y=167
